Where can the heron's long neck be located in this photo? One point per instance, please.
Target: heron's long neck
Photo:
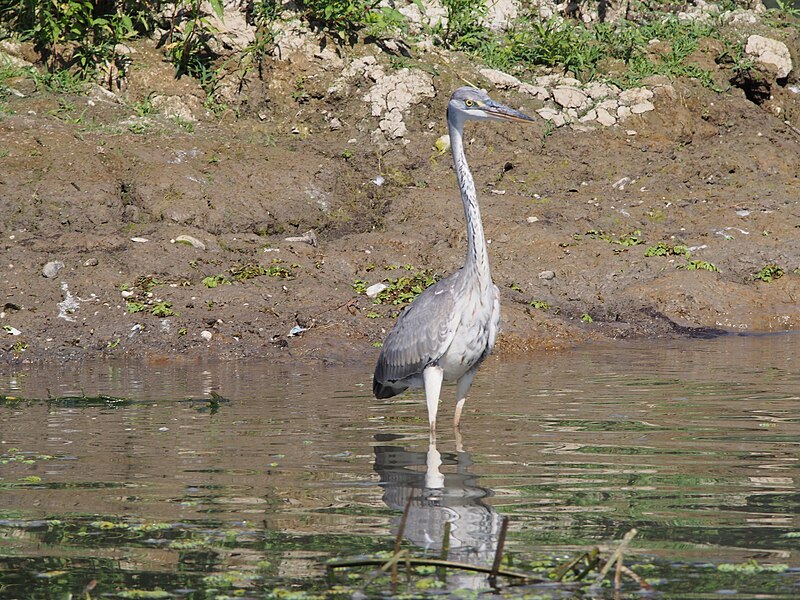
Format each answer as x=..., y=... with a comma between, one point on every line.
x=477, y=254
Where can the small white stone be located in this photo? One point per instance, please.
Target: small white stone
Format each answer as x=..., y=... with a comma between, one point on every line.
x=52, y=268
x=532, y=219
x=126, y=293
x=139, y=240
x=621, y=183
x=375, y=289
x=547, y=275
x=206, y=335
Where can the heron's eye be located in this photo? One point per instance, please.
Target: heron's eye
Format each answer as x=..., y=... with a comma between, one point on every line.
x=469, y=103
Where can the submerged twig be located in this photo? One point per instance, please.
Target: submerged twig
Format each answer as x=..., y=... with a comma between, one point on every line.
x=401, y=529
x=434, y=562
x=617, y=555
x=498, y=553
x=445, y=548
x=591, y=559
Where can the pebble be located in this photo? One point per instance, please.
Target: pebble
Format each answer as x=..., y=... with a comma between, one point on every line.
x=532, y=219
x=139, y=240
x=547, y=275
x=375, y=289
x=52, y=268
x=191, y=240
x=90, y=262
x=206, y=335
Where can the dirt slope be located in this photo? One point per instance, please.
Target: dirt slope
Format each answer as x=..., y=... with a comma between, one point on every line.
x=82, y=178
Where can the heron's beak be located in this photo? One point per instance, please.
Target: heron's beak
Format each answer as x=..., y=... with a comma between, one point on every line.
x=504, y=113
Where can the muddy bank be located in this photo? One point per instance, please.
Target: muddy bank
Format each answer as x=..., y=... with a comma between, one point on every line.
x=655, y=226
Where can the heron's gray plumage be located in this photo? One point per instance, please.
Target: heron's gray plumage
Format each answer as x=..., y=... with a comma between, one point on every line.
x=452, y=326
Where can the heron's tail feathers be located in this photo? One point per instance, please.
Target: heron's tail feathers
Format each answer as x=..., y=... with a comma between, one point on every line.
x=386, y=390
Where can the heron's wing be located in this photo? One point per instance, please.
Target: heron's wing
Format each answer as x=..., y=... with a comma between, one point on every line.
x=422, y=333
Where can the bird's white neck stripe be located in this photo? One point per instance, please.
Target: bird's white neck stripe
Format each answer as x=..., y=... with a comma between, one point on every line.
x=477, y=253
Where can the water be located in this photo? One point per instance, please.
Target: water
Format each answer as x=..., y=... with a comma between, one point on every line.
x=694, y=443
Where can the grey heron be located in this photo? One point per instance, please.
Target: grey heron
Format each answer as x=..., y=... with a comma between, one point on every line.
x=449, y=329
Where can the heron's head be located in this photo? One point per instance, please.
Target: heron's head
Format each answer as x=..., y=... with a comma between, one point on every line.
x=469, y=103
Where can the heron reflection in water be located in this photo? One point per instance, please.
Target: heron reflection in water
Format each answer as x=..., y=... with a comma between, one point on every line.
x=439, y=498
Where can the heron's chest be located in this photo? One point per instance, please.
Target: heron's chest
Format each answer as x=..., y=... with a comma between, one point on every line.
x=474, y=335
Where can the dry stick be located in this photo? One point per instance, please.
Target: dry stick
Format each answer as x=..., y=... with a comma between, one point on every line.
x=433, y=562
x=498, y=554
x=384, y=567
x=400, y=531
x=617, y=555
x=618, y=574
x=592, y=559
x=445, y=548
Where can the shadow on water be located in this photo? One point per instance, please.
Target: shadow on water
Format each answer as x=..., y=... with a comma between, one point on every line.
x=138, y=482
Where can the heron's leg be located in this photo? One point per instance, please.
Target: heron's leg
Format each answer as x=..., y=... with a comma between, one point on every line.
x=462, y=389
x=432, y=376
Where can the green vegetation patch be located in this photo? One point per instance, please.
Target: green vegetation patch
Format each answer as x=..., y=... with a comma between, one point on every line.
x=665, y=249
x=769, y=273
x=243, y=272
x=402, y=290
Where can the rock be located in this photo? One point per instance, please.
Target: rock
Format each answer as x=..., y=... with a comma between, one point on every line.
x=605, y=118
x=10, y=55
x=173, y=106
x=642, y=107
x=548, y=114
x=770, y=52
x=206, y=335
x=191, y=240
x=623, y=112
x=600, y=91
x=309, y=237
x=501, y=13
x=375, y=289
x=570, y=97
x=537, y=91
x=394, y=94
x=231, y=34
x=547, y=275
x=52, y=268
x=741, y=17
x=90, y=262
x=335, y=124
x=532, y=219
x=500, y=80
x=635, y=96
x=139, y=240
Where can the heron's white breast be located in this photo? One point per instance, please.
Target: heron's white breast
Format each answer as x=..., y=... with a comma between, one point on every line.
x=472, y=336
